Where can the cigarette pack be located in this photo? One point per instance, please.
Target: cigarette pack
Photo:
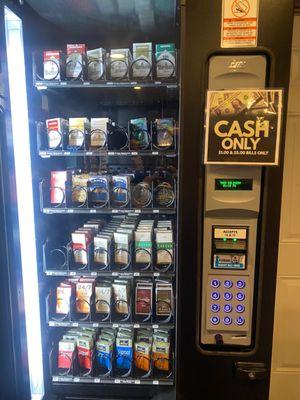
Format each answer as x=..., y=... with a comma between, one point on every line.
x=75, y=60
x=66, y=350
x=56, y=131
x=58, y=187
x=103, y=294
x=164, y=299
x=139, y=137
x=121, y=296
x=143, y=298
x=161, y=355
x=78, y=130
x=142, y=60
x=84, y=352
x=120, y=60
x=142, y=355
x=104, y=352
x=165, y=60
x=63, y=298
x=143, y=245
x=96, y=64
x=52, y=64
x=99, y=131
x=79, y=187
x=124, y=352
x=84, y=292
x=120, y=189
x=164, y=132
x=164, y=246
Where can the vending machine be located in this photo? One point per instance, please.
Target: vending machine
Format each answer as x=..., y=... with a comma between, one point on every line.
x=141, y=169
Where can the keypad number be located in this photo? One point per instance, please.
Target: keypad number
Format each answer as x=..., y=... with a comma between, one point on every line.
x=215, y=295
x=215, y=308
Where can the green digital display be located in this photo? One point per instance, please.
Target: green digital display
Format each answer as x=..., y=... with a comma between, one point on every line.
x=233, y=184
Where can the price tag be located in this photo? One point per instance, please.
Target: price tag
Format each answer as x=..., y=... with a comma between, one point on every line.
x=72, y=273
x=155, y=326
x=96, y=380
x=93, y=211
x=55, y=379
x=74, y=323
x=110, y=153
x=86, y=83
x=137, y=382
x=137, y=211
x=156, y=274
x=155, y=211
x=93, y=273
x=136, y=274
x=70, y=211
x=49, y=273
x=115, y=274
x=67, y=153
x=155, y=153
x=63, y=83
x=134, y=153
x=89, y=153
x=51, y=323
x=157, y=83
x=115, y=325
x=136, y=325
x=117, y=381
x=155, y=382
x=115, y=211
x=76, y=379
x=95, y=324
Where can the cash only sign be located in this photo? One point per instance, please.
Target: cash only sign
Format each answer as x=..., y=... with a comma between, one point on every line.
x=243, y=127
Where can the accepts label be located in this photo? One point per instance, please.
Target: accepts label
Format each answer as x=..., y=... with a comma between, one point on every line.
x=230, y=233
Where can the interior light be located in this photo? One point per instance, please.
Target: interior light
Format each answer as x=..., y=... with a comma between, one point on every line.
x=20, y=131
x=137, y=87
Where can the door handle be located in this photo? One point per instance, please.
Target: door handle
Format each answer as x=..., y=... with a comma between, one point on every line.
x=251, y=370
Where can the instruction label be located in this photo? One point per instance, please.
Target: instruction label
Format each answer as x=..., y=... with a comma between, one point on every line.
x=239, y=23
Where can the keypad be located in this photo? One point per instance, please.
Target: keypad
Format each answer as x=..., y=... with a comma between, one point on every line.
x=228, y=303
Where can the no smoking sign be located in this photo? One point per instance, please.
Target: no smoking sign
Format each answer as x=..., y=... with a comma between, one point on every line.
x=240, y=8
x=239, y=23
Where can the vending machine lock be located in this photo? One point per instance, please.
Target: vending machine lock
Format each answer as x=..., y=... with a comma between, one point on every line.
x=251, y=370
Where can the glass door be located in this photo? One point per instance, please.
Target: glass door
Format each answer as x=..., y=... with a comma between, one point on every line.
x=98, y=173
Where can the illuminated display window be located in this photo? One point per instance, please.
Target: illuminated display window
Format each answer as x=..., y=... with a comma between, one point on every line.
x=233, y=184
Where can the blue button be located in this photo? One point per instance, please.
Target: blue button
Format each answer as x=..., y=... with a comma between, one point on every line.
x=240, y=320
x=228, y=284
x=215, y=320
x=227, y=308
x=240, y=296
x=215, y=307
x=227, y=296
x=215, y=295
x=240, y=308
x=215, y=283
x=240, y=284
x=227, y=320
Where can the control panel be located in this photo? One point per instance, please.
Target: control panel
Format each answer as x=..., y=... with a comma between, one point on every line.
x=232, y=200
x=231, y=211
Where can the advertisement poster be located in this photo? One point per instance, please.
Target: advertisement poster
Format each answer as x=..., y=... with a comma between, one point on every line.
x=239, y=23
x=243, y=126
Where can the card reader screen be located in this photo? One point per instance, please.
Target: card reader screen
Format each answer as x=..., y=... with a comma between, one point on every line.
x=233, y=184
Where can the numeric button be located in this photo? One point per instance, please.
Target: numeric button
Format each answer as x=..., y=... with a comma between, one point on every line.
x=215, y=295
x=228, y=284
x=227, y=320
x=240, y=320
x=215, y=308
x=215, y=283
x=240, y=308
x=228, y=296
x=240, y=296
x=227, y=308
x=240, y=284
x=215, y=320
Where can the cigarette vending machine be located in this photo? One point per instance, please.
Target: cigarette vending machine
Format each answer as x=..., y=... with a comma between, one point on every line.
x=138, y=266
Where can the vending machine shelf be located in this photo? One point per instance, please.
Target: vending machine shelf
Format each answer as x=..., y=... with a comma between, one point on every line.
x=103, y=153
x=72, y=324
x=49, y=210
x=45, y=84
x=116, y=381
x=109, y=273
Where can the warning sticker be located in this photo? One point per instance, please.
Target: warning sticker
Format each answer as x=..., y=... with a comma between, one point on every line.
x=239, y=23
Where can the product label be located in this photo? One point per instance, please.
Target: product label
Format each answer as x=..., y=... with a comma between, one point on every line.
x=239, y=23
